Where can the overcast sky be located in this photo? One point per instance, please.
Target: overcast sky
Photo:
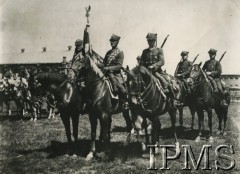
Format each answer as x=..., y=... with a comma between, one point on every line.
x=193, y=25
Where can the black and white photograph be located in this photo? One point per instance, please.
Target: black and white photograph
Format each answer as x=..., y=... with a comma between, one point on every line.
x=119, y=86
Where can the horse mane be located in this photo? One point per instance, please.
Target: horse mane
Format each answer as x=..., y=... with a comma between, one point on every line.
x=51, y=77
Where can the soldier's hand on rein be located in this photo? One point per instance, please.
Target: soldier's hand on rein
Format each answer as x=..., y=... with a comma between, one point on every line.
x=208, y=73
x=150, y=67
x=179, y=75
x=106, y=69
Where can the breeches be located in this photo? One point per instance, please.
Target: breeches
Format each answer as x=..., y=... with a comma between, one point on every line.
x=163, y=79
x=121, y=88
x=216, y=83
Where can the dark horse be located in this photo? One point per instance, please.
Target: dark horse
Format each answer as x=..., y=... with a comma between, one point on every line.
x=186, y=98
x=206, y=100
x=69, y=100
x=148, y=101
x=101, y=105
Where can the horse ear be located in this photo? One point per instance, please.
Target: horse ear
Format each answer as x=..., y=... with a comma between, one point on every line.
x=200, y=64
x=127, y=67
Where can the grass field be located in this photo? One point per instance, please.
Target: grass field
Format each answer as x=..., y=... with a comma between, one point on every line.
x=40, y=147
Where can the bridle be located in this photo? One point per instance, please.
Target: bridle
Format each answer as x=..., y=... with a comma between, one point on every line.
x=198, y=82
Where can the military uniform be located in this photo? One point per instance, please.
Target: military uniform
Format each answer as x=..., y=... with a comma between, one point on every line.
x=215, y=69
x=183, y=69
x=112, y=64
x=153, y=58
x=114, y=60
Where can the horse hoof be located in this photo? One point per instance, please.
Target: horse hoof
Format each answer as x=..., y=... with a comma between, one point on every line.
x=31, y=119
x=35, y=119
x=144, y=147
x=89, y=156
x=211, y=140
x=197, y=140
x=218, y=132
x=224, y=133
x=74, y=156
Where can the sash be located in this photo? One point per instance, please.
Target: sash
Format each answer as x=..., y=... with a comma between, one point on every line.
x=112, y=56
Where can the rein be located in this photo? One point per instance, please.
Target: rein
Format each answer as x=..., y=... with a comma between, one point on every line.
x=146, y=93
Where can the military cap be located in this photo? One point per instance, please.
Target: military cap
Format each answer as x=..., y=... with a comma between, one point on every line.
x=138, y=57
x=151, y=36
x=184, y=53
x=115, y=37
x=78, y=42
x=212, y=51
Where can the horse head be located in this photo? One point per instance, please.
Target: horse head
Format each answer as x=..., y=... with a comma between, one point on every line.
x=139, y=79
x=196, y=75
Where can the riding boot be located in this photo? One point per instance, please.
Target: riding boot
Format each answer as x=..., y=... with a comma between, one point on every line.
x=214, y=85
x=163, y=82
x=114, y=83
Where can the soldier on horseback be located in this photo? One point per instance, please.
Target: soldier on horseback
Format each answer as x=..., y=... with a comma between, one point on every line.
x=183, y=69
x=112, y=65
x=213, y=70
x=152, y=58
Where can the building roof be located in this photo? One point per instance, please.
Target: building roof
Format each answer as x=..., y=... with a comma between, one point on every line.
x=50, y=56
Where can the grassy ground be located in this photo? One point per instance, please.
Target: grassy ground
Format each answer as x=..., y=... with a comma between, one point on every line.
x=39, y=147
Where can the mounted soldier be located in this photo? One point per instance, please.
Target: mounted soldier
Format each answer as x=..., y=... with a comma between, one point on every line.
x=112, y=65
x=213, y=69
x=183, y=69
x=153, y=59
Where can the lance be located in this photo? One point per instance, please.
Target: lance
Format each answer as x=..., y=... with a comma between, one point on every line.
x=195, y=59
x=87, y=13
x=164, y=41
x=89, y=48
x=222, y=56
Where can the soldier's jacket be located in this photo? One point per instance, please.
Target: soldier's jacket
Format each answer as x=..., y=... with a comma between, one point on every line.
x=153, y=57
x=184, y=68
x=114, y=61
x=214, y=67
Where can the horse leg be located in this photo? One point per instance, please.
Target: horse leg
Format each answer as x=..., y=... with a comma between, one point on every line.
x=225, y=121
x=200, y=124
x=181, y=117
x=75, y=122
x=172, y=114
x=155, y=132
x=93, y=122
x=50, y=113
x=126, y=116
x=220, y=118
x=192, y=110
x=105, y=122
x=209, y=111
x=66, y=122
